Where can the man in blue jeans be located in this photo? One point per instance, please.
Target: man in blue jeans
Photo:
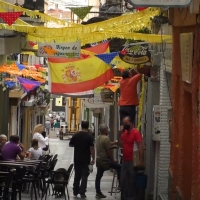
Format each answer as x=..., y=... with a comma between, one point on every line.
x=104, y=158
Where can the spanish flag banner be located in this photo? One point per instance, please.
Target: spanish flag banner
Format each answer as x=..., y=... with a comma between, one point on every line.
x=77, y=75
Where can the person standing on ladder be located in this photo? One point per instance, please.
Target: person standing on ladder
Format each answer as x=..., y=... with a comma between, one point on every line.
x=47, y=126
x=128, y=95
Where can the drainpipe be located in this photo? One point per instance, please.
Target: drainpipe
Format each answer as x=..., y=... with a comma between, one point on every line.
x=4, y=104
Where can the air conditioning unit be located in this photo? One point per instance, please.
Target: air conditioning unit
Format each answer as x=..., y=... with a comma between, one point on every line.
x=156, y=123
x=107, y=95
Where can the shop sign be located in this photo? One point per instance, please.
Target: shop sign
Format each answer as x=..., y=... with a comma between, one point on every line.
x=95, y=102
x=163, y=3
x=70, y=50
x=135, y=53
x=89, y=93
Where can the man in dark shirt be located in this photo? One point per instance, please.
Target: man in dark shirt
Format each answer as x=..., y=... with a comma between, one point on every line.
x=83, y=144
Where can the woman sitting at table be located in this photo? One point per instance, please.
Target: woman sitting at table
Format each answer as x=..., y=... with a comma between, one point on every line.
x=13, y=149
x=35, y=151
x=37, y=135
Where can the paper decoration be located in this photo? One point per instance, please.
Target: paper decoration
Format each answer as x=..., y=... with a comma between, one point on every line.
x=140, y=8
x=10, y=84
x=81, y=12
x=10, y=17
x=20, y=66
x=123, y=52
x=31, y=44
x=27, y=84
x=107, y=57
x=84, y=56
x=37, y=66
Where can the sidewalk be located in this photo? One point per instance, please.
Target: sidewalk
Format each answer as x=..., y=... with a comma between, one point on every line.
x=65, y=158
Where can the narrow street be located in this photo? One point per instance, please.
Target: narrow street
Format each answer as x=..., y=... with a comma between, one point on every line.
x=65, y=158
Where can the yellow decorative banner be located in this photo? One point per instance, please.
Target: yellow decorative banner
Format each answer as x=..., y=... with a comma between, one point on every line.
x=142, y=96
x=96, y=37
x=125, y=23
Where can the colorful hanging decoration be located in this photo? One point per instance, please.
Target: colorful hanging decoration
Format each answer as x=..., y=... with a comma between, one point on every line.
x=89, y=34
x=28, y=72
x=10, y=84
x=32, y=43
x=10, y=17
x=123, y=52
x=37, y=66
x=81, y=12
x=142, y=96
x=97, y=49
x=20, y=66
x=84, y=56
x=107, y=57
x=27, y=84
x=140, y=8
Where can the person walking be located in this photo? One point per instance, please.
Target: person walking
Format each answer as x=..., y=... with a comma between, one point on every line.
x=47, y=126
x=57, y=127
x=83, y=144
x=128, y=100
x=61, y=133
x=127, y=138
x=104, y=158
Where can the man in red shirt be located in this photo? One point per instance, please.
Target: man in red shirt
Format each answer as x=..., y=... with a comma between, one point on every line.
x=128, y=95
x=127, y=138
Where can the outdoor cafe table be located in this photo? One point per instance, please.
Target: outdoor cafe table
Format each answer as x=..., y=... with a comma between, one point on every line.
x=19, y=163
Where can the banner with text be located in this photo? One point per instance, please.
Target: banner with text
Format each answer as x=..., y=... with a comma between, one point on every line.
x=67, y=50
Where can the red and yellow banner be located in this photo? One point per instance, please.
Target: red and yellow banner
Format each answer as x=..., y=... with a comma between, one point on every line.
x=78, y=75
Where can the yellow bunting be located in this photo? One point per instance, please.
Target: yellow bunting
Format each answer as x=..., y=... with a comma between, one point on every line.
x=142, y=95
x=34, y=14
x=96, y=37
x=123, y=24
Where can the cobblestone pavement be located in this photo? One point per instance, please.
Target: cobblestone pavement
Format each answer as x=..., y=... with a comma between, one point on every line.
x=65, y=158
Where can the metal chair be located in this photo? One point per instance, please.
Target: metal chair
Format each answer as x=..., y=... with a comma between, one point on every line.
x=62, y=182
x=115, y=182
x=6, y=179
